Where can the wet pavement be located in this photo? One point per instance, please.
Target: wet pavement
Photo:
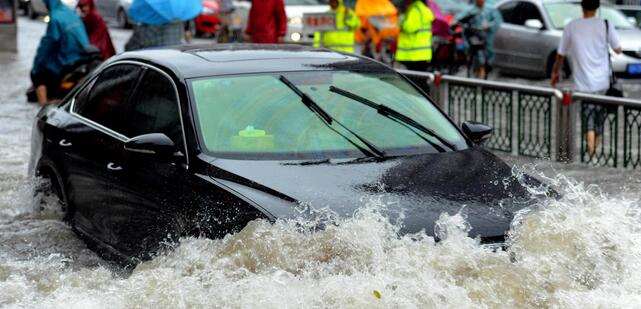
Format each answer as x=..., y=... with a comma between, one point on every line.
x=581, y=251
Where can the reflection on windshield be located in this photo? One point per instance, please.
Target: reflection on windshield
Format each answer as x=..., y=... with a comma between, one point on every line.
x=562, y=14
x=259, y=117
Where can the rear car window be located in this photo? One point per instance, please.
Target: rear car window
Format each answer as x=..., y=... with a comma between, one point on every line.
x=105, y=102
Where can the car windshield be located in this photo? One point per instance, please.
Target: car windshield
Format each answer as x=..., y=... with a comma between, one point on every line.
x=306, y=2
x=451, y=6
x=260, y=117
x=563, y=13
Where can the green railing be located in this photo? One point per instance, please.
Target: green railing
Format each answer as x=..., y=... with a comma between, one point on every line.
x=599, y=117
x=497, y=112
x=494, y=103
x=600, y=124
x=544, y=120
x=535, y=125
x=632, y=137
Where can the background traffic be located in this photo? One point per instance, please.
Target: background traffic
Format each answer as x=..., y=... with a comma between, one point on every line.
x=525, y=43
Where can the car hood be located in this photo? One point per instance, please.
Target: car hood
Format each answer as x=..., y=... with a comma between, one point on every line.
x=630, y=39
x=417, y=189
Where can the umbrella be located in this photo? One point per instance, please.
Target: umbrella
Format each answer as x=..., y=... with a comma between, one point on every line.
x=158, y=12
x=440, y=25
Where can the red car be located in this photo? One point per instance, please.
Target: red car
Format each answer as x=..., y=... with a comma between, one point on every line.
x=207, y=22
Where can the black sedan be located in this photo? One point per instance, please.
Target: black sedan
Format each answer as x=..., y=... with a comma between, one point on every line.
x=165, y=143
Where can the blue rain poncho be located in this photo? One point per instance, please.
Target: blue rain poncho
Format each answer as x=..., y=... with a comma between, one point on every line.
x=64, y=42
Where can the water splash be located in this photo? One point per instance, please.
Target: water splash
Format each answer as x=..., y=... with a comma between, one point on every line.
x=581, y=250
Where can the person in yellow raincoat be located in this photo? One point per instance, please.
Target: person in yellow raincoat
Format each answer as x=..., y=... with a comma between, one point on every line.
x=341, y=38
x=415, y=39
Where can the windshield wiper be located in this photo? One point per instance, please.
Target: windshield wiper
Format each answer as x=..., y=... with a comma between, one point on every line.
x=396, y=116
x=329, y=120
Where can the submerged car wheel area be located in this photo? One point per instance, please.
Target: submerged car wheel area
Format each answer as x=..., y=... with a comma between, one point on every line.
x=201, y=140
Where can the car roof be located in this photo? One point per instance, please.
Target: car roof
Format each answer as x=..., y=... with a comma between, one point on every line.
x=194, y=61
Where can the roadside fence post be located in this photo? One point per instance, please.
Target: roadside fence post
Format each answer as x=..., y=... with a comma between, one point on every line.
x=566, y=128
x=436, y=90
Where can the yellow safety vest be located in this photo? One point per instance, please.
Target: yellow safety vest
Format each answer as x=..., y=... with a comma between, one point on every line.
x=415, y=38
x=341, y=39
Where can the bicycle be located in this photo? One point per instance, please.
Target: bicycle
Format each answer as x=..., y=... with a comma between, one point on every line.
x=476, y=40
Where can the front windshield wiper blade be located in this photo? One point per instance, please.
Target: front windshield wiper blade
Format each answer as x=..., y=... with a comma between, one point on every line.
x=329, y=120
x=396, y=116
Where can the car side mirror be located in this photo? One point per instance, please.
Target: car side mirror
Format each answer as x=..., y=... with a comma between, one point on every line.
x=476, y=131
x=534, y=24
x=633, y=20
x=154, y=144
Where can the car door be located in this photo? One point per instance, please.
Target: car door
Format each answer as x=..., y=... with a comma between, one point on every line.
x=146, y=191
x=503, y=39
x=520, y=46
x=107, y=7
x=97, y=109
x=39, y=7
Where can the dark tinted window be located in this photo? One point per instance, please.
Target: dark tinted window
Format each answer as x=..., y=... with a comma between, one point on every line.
x=507, y=10
x=528, y=11
x=107, y=98
x=154, y=108
x=83, y=95
x=518, y=12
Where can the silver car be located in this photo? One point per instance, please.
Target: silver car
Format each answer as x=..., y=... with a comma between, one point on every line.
x=115, y=10
x=35, y=8
x=527, y=41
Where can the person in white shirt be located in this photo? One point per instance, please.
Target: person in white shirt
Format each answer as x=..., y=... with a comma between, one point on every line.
x=586, y=41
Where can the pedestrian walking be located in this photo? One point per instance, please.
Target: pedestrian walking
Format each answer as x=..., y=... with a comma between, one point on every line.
x=61, y=47
x=415, y=38
x=189, y=27
x=96, y=28
x=587, y=41
x=342, y=37
x=146, y=36
x=267, y=22
x=224, y=29
x=160, y=23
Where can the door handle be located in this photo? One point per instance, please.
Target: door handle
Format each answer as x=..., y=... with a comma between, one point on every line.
x=113, y=167
x=64, y=143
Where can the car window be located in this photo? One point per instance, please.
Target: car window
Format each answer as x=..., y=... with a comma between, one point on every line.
x=517, y=13
x=450, y=6
x=270, y=121
x=507, y=10
x=105, y=102
x=154, y=108
x=563, y=13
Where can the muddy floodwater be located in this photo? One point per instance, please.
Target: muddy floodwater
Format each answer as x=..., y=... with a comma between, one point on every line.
x=581, y=251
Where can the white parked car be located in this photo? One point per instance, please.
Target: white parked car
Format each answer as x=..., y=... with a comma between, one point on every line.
x=295, y=10
x=115, y=10
x=527, y=41
x=35, y=8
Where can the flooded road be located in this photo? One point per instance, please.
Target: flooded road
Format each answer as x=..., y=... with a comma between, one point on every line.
x=582, y=251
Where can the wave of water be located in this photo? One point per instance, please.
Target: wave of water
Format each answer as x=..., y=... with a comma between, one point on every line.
x=580, y=251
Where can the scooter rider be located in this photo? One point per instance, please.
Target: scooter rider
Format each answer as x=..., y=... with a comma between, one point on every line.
x=341, y=38
x=62, y=46
x=488, y=19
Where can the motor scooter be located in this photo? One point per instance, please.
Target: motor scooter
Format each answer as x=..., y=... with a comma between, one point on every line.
x=72, y=75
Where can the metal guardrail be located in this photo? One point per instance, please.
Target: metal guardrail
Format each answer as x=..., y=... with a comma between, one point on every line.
x=544, y=118
x=602, y=115
x=497, y=104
